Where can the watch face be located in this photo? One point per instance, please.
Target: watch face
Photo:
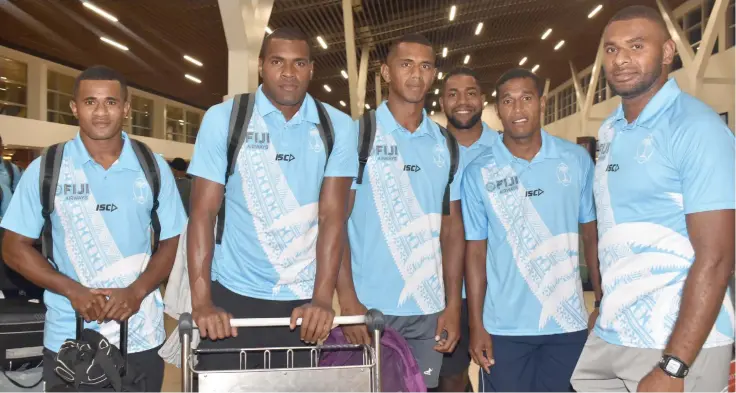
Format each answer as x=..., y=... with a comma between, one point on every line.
x=673, y=366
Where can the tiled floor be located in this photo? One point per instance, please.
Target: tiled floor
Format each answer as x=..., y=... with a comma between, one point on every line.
x=172, y=375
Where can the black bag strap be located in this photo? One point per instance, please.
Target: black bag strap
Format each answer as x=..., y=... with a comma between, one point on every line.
x=48, y=179
x=150, y=169
x=366, y=136
x=454, y=149
x=326, y=131
x=11, y=173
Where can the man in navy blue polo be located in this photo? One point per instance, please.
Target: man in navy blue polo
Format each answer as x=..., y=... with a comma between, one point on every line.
x=524, y=199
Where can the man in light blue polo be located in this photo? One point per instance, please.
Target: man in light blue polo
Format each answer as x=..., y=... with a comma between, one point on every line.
x=9, y=172
x=7, y=195
x=284, y=228
x=664, y=190
x=101, y=233
x=462, y=101
x=396, y=227
x=524, y=198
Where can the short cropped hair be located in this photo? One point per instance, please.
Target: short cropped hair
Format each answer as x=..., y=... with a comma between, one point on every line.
x=641, y=12
x=411, y=38
x=519, y=73
x=179, y=164
x=289, y=34
x=462, y=71
x=101, y=73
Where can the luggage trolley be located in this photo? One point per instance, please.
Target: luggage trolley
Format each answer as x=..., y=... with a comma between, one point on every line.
x=359, y=378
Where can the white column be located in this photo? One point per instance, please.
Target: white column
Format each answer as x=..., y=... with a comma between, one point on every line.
x=36, y=88
x=350, y=52
x=378, y=89
x=363, y=78
x=159, y=118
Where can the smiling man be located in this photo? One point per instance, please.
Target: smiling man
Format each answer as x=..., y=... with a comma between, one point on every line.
x=523, y=200
x=664, y=188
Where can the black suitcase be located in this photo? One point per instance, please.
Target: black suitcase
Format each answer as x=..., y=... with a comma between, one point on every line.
x=21, y=333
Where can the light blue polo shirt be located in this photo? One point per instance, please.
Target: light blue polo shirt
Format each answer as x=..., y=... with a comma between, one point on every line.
x=7, y=196
x=102, y=237
x=5, y=176
x=268, y=248
x=529, y=212
x=394, y=229
x=487, y=138
x=675, y=159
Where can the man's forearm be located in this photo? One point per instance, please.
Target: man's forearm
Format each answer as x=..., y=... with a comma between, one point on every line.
x=346, y=293
x=330, y=242
x=591, y=260
x=159, y=267
x=453, y=253
x=29, y=263
x=200, y=250
x=475, y=281
x=702, y=298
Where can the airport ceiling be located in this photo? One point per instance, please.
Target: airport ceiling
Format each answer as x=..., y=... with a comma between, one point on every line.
x=159, y=32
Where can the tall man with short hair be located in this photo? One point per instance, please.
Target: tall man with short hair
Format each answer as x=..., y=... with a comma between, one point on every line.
x=462, y=101
x=524, y=198
x=286, y=209
x=664, y=190
x=396, y=227
x=101, y=232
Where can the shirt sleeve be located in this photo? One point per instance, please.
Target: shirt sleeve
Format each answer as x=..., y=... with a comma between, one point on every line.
x=587, y=206
x=343, y=161
x=23, y=215
x=209, y=160
x=474, y=212
x=456, y=185
x=170, y=208
x=703, y=152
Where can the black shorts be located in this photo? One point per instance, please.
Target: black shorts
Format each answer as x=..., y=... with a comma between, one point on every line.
x=267, y=337
x=148, y=362
x=458, y=361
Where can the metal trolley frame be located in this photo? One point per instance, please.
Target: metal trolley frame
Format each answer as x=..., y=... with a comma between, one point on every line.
x=359, y=378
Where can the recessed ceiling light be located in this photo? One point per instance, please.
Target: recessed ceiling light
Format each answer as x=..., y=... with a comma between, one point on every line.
x=479, y=28
x=268, y=30
x=113, y=43
x=434, y=103
x=99, y=11
x=3, y=78
x=439, y=76
x=485, y=103
x=467, y=59
x=444, y=52
x=436, y=91
x=535, y=68
x=431, y=113
x=595, y=11
x=559, y=44
x=193, y=78
x=192, y=60
x=322, y=42
x=453, y=9
x=3, y=89
x=367, y=106
x=494, y=94
x=342, y=103
x=546, y=34
x=522, y=61
x=327, y=87
x=344, y=74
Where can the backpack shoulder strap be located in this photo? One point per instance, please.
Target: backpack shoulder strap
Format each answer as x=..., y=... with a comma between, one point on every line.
x=326, y=131
x=454, y=150
x=366, y=136
x=11, y=173
x=48, y=179
x=150, y=169
x=240, y=115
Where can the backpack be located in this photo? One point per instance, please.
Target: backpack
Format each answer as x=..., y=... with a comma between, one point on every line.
x=367, y=135
x=49, y=177
x=240, y=115
x=11, y=174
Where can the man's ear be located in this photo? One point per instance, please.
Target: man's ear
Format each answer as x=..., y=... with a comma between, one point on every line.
x=385, y=73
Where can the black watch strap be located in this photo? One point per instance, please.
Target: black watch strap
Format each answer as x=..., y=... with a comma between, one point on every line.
x=673, y=366
x=597, y=304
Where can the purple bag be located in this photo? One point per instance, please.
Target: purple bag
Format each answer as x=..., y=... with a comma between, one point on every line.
x=399, y=369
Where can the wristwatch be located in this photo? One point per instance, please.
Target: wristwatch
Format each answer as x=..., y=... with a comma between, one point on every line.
x=673, y=366
x=597, y=304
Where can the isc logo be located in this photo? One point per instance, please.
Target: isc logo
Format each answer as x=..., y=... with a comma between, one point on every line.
x=533, y=193
x=612, y=168
x=412, y=168
x=106, y=207
x=285, y=157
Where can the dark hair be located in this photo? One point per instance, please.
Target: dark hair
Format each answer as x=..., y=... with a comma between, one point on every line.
x=641, y=12
x=101, y=73
x=289, y=34
x=461, y=71
x=179, y=164
x=411, y=38
x=519, y=73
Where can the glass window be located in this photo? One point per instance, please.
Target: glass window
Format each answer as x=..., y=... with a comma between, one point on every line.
x=181, y=125
x=549, y=112
x=601, y=89
x=60, y=90
x=192, y=126
x=568, y=103
x=13, y=80
x=730, y=25
x=140, y=121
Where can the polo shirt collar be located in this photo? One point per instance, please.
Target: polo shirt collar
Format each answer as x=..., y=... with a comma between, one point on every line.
x=127, y=159
x=390, y=125
x=661, y=101
x=504, y=157
x=307, y=111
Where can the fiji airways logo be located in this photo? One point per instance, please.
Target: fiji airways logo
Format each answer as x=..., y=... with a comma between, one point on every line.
x=563, y=174
x=503, y=186
x=257, y=140
x=386, y=152
x=71, y=192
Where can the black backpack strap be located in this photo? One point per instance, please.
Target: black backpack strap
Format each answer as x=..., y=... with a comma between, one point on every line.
x=454, y=150
x=11, y=173
x=150, y=169
x=240, y=115
x=326, y=131
x=366, y=136
x=48, y=179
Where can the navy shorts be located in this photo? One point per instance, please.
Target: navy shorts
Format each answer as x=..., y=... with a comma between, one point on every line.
x=533, y=363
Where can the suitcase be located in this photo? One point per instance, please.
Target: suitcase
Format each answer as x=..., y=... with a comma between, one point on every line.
x=21, y=333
